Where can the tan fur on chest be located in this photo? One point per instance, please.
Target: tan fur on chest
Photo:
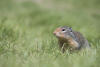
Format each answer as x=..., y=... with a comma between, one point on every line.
x=72, y=43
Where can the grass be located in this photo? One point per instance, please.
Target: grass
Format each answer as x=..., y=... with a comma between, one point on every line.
x=26, y=27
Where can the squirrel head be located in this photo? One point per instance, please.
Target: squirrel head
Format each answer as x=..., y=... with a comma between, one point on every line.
x=63, y=32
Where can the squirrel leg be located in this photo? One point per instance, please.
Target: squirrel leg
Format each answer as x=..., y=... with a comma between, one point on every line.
x=62, y=46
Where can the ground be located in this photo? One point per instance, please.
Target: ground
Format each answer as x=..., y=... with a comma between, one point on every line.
x=26, y=32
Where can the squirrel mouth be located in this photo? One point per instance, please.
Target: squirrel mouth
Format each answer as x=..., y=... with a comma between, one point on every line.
x=54, y=33
x=59, y=36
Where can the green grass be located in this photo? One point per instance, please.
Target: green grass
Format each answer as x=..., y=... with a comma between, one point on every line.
x=26, y=27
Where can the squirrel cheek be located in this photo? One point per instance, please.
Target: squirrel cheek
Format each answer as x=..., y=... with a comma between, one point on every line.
x=61, y=35
x=58, y=34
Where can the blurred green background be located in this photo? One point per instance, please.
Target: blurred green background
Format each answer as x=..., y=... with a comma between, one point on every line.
x=26, y=27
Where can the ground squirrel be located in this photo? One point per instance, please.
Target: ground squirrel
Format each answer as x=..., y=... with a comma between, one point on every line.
x=69, y=38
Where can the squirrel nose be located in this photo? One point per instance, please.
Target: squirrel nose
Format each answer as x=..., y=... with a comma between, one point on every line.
x=54, y=33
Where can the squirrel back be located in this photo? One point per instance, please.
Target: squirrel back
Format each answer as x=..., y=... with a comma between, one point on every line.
x=81, y=40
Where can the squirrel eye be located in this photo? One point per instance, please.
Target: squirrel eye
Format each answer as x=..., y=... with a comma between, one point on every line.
x=63, y=29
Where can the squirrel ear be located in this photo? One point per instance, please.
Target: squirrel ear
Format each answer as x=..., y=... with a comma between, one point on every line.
x=70, y=29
